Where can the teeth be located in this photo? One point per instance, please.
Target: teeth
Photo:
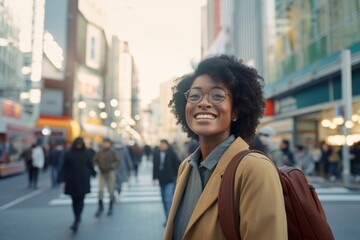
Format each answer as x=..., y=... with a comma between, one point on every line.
x=205, y=116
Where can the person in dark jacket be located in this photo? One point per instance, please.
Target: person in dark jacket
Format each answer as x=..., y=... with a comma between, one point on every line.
x=76, y=172
x=165, y=168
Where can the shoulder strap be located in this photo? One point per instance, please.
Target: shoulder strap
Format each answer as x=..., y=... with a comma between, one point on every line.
x=228, y=215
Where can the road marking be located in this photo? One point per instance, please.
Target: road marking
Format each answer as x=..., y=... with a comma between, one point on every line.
x=67, y=201
x=21, y=199
x=137, y=193
x=332, y=190
x=339, y=198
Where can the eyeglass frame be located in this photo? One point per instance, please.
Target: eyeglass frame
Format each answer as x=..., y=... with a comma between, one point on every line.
x=208, y=94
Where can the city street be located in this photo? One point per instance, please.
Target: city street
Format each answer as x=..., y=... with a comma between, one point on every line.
x=45, y=213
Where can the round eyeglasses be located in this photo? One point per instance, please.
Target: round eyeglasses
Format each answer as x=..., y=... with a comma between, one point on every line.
x=215, y=95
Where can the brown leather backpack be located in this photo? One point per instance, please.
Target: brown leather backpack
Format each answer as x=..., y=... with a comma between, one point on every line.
x=305, y=216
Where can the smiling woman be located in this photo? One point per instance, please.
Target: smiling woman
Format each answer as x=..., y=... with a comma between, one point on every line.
x=220, y=105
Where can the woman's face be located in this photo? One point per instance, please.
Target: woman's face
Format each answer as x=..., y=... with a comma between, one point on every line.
x=206, y=119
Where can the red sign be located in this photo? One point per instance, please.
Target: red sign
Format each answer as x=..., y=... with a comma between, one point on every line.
x=269, y=107
x=11, y=109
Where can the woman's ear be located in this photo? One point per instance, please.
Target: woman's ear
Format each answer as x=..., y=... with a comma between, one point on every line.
x=235, y=115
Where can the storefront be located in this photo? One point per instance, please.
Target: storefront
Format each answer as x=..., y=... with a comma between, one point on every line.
x=62, y=128
x=314, y=113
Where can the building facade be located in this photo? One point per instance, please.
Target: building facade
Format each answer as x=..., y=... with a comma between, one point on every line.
x=296, y=45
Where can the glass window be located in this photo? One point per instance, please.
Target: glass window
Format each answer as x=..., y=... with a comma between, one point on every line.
x=319, y=23
x=299, y=60
x=317, y=50
x=345, y=35
x=306, y=31
x=335, y=11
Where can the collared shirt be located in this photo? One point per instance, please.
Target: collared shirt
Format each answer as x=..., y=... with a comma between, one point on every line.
x=198, y=178
x=162, y=160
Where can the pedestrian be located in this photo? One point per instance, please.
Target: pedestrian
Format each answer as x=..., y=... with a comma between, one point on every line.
x=355, y=159
x=334, y=160
x=304, y=160
x=27, y=156
x=56, y=159
x=125, y=167
x=75, y=174
x=147, y=151
x=288, y=156
x=264, y=142
x=107, y=162
x=38, y=161
x=91, y=149
x=220, y=105
x=326, y=151
x=136, y=154
x=165, y=168
x=315, y=153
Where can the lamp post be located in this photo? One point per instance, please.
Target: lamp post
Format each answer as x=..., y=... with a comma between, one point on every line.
x=347, y=104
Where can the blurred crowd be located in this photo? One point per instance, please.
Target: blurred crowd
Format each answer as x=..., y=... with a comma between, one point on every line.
x=316, y=159
x=73, y=164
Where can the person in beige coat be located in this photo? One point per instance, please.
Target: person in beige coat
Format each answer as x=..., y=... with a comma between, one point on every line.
x=220, y=105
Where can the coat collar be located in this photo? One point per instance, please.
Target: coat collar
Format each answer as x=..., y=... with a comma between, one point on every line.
x=210, y=193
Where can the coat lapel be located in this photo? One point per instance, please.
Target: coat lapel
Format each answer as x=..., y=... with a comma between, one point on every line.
x=179, y=190
x=210, y=193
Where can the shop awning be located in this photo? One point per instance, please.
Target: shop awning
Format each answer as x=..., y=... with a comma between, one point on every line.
x=71, y=127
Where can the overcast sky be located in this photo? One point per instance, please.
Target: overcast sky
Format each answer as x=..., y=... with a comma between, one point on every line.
x=163, y=35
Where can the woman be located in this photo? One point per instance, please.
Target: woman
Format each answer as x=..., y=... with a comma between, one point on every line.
x=220, y=105
x=76, y=172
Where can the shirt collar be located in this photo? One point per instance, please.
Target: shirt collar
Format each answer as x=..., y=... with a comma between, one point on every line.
x=213, y=158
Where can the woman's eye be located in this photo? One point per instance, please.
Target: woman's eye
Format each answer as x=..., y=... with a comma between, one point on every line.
x=194, y=96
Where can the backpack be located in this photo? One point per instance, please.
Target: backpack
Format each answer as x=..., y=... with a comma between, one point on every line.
x=305, y=216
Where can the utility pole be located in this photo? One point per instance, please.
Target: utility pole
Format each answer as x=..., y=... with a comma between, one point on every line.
x=347, y=104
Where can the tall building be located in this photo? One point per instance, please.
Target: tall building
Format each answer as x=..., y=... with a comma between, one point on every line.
x=74, y=99
x=122, y=88
x=235, y=27
x=296, y=46
x=304, y=80
x=21, y=44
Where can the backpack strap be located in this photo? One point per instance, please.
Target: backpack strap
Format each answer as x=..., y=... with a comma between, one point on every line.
x=228, y=216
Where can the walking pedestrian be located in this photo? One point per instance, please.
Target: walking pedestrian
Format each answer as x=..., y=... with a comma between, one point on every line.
x=303, y=160
x=264, y=142
x=220, y=105
x=56, y=159
x=165, y=168
x=147, y=151
x=288, y=156
x=107, y=162
x=326, y=151
x=334, y=160
x=38, y=161
x=125, y=167
x=76, y=172
x=136, y=154
x=27, y=156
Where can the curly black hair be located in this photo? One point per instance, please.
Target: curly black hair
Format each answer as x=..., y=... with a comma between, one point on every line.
x=246, y=88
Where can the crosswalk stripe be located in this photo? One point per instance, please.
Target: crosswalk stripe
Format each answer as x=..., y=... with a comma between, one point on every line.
x=332, y=190
x=137, y=192
x=339, y=198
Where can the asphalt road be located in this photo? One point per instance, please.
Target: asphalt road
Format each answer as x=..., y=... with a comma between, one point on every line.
x=45, y=213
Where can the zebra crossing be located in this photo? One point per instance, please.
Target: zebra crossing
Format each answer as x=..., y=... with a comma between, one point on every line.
x=337, y=194
x=139, y=190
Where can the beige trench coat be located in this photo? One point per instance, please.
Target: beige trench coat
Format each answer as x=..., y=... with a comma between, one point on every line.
x=258, y=192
